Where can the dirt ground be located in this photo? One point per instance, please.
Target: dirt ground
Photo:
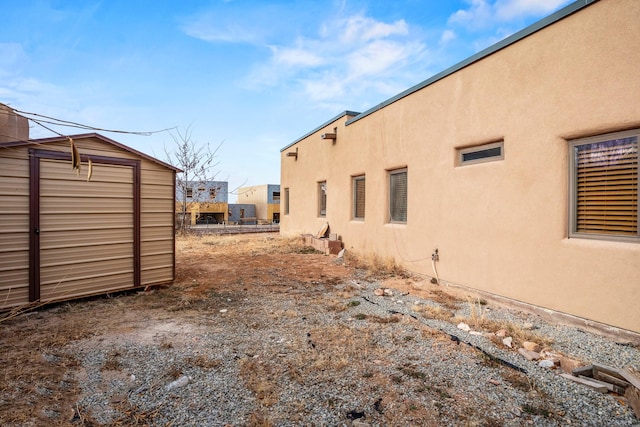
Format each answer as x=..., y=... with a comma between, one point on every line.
x=38, y=385
x=40, y=376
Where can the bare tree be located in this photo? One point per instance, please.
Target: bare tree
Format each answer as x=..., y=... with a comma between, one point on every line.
x=196, y=162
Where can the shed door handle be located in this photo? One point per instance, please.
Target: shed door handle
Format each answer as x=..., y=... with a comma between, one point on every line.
x=37, y=230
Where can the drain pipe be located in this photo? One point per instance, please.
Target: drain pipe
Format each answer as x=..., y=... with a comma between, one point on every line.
x=435, y=257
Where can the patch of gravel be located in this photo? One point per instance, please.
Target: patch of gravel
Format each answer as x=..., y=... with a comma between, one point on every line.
x=289, y=360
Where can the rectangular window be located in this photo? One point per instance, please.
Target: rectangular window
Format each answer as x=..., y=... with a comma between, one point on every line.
x=398, y=195
x=276, y=196
x=603, y=186
x=189, y=191
x=480, y=153
x=212, y=193
x=286, y=201
x=358, y=197
x=322, y=198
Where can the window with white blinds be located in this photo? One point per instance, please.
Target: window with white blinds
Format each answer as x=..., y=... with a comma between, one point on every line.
x=358, y=197
x=604, y=186
x=398, y=195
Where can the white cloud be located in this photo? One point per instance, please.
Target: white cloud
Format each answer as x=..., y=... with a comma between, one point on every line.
x=349, y=56
x=510, y=9
x=362, y=29
x=485, y=14
x=207, y=27
x=296, y=56
x=447, y=36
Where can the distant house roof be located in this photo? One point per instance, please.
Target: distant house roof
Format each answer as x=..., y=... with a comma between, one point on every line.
x=44, y=141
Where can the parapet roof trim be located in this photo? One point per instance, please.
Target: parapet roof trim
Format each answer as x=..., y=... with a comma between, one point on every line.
x=533, y=28
x=327, y=123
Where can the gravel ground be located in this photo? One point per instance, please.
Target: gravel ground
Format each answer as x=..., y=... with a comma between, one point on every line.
x=260, y=331
x=288, y=360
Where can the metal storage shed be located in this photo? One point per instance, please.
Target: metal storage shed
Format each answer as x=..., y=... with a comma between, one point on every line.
x=63, y=236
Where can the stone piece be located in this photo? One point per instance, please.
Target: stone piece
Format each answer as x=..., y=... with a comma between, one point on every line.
x=532, y=346
x=546, y=363
x=529, y=354
x=508, y=341
x=463, y=326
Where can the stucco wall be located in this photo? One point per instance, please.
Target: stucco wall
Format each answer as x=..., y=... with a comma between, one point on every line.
x=500, y=226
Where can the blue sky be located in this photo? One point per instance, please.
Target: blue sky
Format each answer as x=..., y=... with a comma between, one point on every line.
x=254, y=74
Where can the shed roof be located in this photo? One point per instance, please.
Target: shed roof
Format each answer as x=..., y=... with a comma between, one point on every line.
x=44, y=141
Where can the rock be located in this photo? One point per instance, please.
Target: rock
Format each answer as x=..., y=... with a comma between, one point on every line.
x=341, y=253
x=180, y=382
x=475, y=333
x=117, y=398
x=224, y=310
x=379, y=292
x=546, y=363
x=464, y=326
x=360, y=424
x=388, y=293
x=532, y=346
x=501, y=333
x=528, y=326
x=529, y=354
x=568, y=365
x=508, y=341
x=399, y=302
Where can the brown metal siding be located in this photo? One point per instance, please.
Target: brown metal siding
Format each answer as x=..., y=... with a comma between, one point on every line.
x=157, y=219
x=70, y=204
x=114, y=232
x=14, y=227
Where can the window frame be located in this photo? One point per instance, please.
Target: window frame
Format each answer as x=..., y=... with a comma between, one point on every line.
x=354, y=204
x=461, y=152
x=390, y=174
x=573, y=187
x=322, y=199
x=286, y=201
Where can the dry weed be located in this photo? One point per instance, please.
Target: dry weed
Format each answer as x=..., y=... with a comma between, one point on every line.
x=376, y=267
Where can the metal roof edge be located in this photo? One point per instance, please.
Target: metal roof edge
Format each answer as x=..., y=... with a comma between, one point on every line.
x=512, y=39
x=344, y=113
x=91, y=135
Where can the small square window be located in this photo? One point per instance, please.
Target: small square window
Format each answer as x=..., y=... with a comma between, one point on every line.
x=358, y=197
x=189, y=191
x=480, y=153
x=398, y=195
x=276, y=196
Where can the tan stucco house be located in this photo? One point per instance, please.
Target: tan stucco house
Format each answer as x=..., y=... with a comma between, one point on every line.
x=518, y=165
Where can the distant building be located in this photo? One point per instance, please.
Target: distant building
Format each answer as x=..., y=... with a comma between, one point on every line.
x=206, y=202
x=242, y=214
x=266, y=198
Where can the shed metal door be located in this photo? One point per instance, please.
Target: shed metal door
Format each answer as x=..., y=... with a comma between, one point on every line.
x=85, y=232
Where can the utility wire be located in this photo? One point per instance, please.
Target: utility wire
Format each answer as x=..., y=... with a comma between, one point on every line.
x=67, y=123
